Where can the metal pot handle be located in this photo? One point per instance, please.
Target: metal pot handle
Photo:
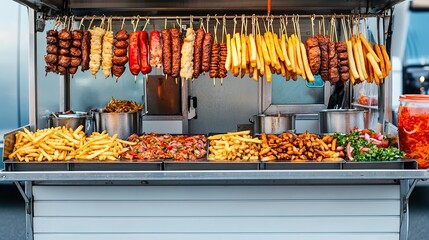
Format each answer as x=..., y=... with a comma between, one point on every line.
x=251, y=121
x=143, y=113
x=48, y=122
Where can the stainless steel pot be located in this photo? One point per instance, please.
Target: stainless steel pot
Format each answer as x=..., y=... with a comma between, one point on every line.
x=340, y=120
x=123, y=124
x=273, y=124
x=71, y=120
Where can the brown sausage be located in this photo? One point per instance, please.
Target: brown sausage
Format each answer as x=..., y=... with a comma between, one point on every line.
x=121, y=35
x=77, y=43
x=121, y=44
x=52, y=32
x=72, y=70
x=51, y=48
x=64, y=43
x=75, y=52
x=176, y=44
x=64, y=51
x=51, y=40
x=51, y=58
x=61, y=70
x=198, y=49
x=207, y=49
x=65, y=35
x=166, y=51
x=64, y=61
x=75, y=62
x=214, y=64
x=77, y=34
x=119, y=60
x=118, y=70
x=119, y=52
x=86, y=45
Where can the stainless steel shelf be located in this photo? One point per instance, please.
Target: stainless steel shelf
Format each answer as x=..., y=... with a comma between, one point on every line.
x=218, y=175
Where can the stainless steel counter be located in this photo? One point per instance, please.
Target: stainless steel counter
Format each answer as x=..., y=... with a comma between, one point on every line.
x=215, y=175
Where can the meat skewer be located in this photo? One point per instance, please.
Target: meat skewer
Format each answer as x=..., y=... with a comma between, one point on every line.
x=166, y=51
x=107, y=53
x=207, y=50
x=176, y=43
x=64, y=43
x=343, y=61
x=120, y=52
x=314, y=53
x=51, y=57
x=187, y=51
x=198, y=49
x=145, y=68
x=97, y=34
x=214, y=58
x=155, y=49
x=86, y=49
x=76, y=50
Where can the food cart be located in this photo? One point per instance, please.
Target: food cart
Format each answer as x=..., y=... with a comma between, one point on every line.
x=204, y=199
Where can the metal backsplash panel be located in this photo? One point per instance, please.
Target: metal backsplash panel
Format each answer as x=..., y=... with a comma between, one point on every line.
x=222, y=107
x=163, y=96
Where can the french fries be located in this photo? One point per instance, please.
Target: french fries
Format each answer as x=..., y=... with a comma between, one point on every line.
x=234, y=146
x=61, y=144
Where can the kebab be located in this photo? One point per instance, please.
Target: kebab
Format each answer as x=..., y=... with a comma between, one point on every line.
x=76, y=51
x=107, y=53
x=155, y=49
x=145, y=67
x=186, y=69
x=97, y=34
x=86, y=49
x=214, y=58
x=207, y=50
x=343, y=57
x=313, y=50
x=51, y=57
x=120, y=52
x=64, y=43
x=166, y=50
x=176, y=43
x=133, y=50
x=198, y=49
x=333, y=72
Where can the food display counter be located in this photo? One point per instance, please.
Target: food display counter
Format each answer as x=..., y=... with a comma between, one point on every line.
x=239, y=185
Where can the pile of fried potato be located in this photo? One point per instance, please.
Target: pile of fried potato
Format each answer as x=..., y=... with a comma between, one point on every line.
x=62, y=144
x=234, y=146
x=303, y=147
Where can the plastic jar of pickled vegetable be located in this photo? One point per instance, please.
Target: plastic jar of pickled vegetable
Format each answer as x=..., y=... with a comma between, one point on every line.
x=413, y=128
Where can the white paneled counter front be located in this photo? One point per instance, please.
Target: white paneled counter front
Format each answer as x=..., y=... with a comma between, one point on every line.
x=229, y=205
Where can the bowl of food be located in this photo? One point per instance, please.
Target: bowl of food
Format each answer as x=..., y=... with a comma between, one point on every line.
x=121, y=117
x=70, y=119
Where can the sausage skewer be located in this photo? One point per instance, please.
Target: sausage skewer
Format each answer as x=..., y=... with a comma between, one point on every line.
x=166, y=51
x=176, y=43
x=120, y=52
x=51, y=57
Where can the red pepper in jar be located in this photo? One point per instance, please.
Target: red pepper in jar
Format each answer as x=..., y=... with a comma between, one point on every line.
x=144, y=65
x=133, y=53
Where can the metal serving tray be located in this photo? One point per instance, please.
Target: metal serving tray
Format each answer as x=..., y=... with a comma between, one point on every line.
x=77, y=165
x=210, y=165
x=311, y=165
